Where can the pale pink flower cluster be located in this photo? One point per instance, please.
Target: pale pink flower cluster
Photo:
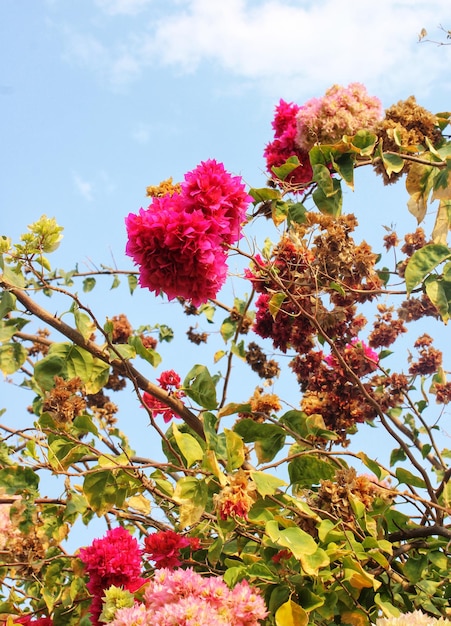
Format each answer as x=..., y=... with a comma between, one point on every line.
x=185, y=598
x=341, y=111
x=416, y=618
x=179, y=241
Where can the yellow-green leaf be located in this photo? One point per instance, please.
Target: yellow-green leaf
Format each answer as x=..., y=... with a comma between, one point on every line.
x=291, y=614
x=188, y=445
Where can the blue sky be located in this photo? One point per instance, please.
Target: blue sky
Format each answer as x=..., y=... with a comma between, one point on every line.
x=101, y=98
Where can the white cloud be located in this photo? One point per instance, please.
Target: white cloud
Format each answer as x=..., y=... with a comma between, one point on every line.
x=123, y=7
x=84, y=187
x=280, y=46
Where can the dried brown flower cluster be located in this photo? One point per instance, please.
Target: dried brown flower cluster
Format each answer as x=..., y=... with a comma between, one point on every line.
x=196, y=337
x=386, y=329
x=40, y=347
x=122, y=329
x=22, y=550
x=405, y=124
x=259, y=362
x=65, y=401
x=430, y=359
x=335, y=497
x=102, y=407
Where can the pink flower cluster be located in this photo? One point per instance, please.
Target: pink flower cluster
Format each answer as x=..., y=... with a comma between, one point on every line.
x=170, y=382
x=341, y=111
x=164, y=548
x=113, y=560
x=180, y=241
x=185, y=598
x=284, y=145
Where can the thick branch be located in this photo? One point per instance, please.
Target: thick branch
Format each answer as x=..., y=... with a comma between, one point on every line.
x=123, y=367
x=415, y=533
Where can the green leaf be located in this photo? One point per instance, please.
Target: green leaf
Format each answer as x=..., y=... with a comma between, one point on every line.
x=396, y=456
x=200, y=387
x=236, y=453
x=116, y=282
x=89, y=284
x=275, y=303
x=406, y=477
x=228, y=328
x=344, y=166
x=269, y=438
x=312, y=563
x=267, y=485
x=296, y=213
x=100, y=374
x=7, y=303
x=188, y=446
x=308, y=470
x=165, y=333
x=393, y=163
x=192, y=496
x=322, y=177
x=14, y=277
x=238, y=349
x=132, y=282
x=47, y=368
x=63, y=452
x=374, y=466
x=295, y=539
x=279, y=211
x=84, y=324
x=215, y=441
x=285, y=170
x=16, y=479
x=102, y=491
x=363, y=142
x=291, y=614
x=148, y=354
x=12, y=356
x=264, y=194
x=423, y=261
x=329, y=204
x=78, y=362
x=439, y=293
x=125, y=351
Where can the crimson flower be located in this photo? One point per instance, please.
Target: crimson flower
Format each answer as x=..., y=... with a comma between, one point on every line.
x=164, y=547
x=170, y=382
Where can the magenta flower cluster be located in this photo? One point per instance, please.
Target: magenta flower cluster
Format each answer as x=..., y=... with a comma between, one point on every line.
x=180, y=241
x=113, y=560
x=284, y=145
